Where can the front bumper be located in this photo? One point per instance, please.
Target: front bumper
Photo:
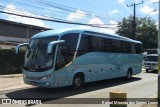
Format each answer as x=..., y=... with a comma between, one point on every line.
x=151, y=67
x=35, y=82
x=42, y=79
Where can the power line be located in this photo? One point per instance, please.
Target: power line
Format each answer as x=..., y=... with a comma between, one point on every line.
x=34, y=7
x=61, y=10
x=53, y=20
x=50, y=10
x=70, y=9
x=96, y=7
x=22, y=11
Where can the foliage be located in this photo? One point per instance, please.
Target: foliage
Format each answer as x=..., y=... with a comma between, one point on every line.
x=146, y=31
x=10, y=63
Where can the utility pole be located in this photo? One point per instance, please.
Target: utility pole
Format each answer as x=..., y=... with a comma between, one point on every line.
x=134, y=18
x=159, y=55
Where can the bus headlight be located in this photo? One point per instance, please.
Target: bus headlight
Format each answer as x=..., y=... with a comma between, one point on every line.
x=46, y=77
x=24, y=76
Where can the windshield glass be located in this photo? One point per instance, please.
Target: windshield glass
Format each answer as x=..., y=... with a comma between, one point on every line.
x=153, y=51
x=151, y=58
x=37, y=58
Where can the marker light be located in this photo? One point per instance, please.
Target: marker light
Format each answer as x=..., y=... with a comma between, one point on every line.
x=46, y=77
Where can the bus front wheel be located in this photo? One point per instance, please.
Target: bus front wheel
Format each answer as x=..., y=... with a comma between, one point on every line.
x=77, y=81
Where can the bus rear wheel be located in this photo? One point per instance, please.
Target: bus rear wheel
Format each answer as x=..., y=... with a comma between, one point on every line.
x=129, y=74
x=77, y=82
x=147, y=70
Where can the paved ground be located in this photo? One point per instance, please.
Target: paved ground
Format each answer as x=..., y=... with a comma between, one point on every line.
x=10, y=82
x=15, y=82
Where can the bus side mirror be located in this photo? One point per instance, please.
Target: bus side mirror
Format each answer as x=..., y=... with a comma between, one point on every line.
x=19, y=46
x=51, y=44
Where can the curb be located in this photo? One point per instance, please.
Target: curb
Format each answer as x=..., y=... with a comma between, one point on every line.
x=11, y=76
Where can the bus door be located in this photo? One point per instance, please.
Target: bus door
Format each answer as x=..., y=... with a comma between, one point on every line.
x=65, y=55
x=60, y=69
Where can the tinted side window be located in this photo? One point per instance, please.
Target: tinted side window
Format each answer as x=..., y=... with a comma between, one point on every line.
x=97, y=44
x=90, y=43
x=116, y=46
x=106, y=45
x=138, y=48
x=85, y=45
x=125, y=47
x=66, y=50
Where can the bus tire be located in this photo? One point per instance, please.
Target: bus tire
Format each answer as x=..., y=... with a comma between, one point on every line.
x=147, y=70
x=129, y=74
x=78, y=81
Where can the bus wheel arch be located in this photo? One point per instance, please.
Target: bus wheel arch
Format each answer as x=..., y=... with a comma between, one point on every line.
x=129, y=74
x=78, y=80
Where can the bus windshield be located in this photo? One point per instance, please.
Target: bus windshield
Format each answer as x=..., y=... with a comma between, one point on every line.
x=37, y=58
x=152, y=51
x=151, y=58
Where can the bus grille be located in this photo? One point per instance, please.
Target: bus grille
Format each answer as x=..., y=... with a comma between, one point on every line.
x=33, y=78
x=150, y=64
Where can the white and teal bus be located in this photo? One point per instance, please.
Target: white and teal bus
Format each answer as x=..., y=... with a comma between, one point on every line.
x=72, y=57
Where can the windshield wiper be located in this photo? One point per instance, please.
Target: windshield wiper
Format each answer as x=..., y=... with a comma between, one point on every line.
x=29, y=63
x=41, y=49
x=32, y=61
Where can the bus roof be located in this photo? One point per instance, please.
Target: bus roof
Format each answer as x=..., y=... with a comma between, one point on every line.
x=60, y=32
x=152, y=55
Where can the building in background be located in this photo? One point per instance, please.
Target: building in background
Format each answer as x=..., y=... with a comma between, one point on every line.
x=13, y=33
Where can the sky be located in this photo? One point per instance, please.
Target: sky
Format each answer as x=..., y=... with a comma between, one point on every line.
x=103, y=13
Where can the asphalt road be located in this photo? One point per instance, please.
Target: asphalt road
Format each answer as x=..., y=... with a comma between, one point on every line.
x=143, y=85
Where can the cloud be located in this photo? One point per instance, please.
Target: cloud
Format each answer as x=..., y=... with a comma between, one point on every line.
x=121, y=1
x=97, y=22
x=113, y=12
x=113, y=24
x=13, y=9
x=137, y=1
x=148, y=10
x=124, y=5
x=78, y=14
x=149, y=2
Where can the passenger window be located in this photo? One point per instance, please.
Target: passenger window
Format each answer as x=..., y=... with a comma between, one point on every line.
x=138, y=48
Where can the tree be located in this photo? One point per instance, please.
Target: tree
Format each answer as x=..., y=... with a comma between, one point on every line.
x=146, y=31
